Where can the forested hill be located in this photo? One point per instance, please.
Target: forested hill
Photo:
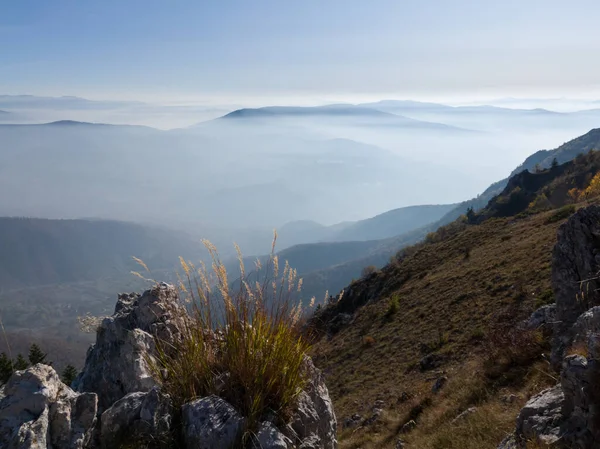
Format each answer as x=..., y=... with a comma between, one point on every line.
x=40, y=251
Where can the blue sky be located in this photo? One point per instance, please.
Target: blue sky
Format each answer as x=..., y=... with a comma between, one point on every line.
x=230, y=49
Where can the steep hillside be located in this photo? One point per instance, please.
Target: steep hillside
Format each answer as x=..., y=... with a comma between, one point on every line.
x=447, y=309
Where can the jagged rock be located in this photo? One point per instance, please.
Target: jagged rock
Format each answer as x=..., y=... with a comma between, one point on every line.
x=543, y=318
x=461, y=416
x=439, y=384
x=399, y=444
x=211, y=423
x=269, y=437
x=541, y=418
x=407, y=427
x=313, y=419
x=575, y=262
x=576, y=407
x=38, y=411
x=138, y=418
x=118, y=363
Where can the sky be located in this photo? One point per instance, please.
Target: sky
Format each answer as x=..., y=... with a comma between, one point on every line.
x=225, y=51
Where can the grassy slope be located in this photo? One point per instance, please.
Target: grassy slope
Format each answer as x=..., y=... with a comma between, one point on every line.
x=447, y=298
x=450, y=294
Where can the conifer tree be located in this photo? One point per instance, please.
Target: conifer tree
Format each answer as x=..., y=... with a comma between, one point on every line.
x=36, y=355
x=68, y=375
x=6, y=368
x=20, y=363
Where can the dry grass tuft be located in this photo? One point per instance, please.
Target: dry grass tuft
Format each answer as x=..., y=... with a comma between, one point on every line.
x=243, y=345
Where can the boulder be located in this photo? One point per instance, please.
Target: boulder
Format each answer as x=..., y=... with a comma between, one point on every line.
x=211, y=423
x=541, y=417
x=38, y=411
x=119, y=362
x=542, y=319
x=138, y=418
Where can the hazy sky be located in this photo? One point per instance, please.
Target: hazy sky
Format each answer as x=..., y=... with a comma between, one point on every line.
x=226, y=49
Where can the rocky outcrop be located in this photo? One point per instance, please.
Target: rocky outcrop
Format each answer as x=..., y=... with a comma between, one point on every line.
x=119, y=362
x=38, y=411
x=118, y=403
x=313, y=424
x=575, y=265
x=542, y=418
x=568, y=415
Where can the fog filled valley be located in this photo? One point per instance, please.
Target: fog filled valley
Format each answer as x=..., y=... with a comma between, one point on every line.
x=346, y=186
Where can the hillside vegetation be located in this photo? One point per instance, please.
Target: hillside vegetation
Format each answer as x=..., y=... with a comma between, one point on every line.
x=446, y=309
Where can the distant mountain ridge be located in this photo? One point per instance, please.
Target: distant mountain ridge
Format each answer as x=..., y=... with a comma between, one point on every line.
x=339, y=112
x=406, y=105
x=330, y=110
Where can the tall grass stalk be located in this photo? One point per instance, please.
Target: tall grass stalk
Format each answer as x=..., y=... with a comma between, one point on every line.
x=243, y=344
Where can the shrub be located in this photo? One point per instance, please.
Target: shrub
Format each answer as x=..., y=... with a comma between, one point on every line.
x=507, y=346
x=368, y=270
x=561, y=214
x=544, y=298
x=393, y=307
x=540, y=203
x=574, y=194
x=243, y=345
x=368, y=341
x=593, y=189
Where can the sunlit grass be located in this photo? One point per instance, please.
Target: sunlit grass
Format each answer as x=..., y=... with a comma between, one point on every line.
x=243, y=344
